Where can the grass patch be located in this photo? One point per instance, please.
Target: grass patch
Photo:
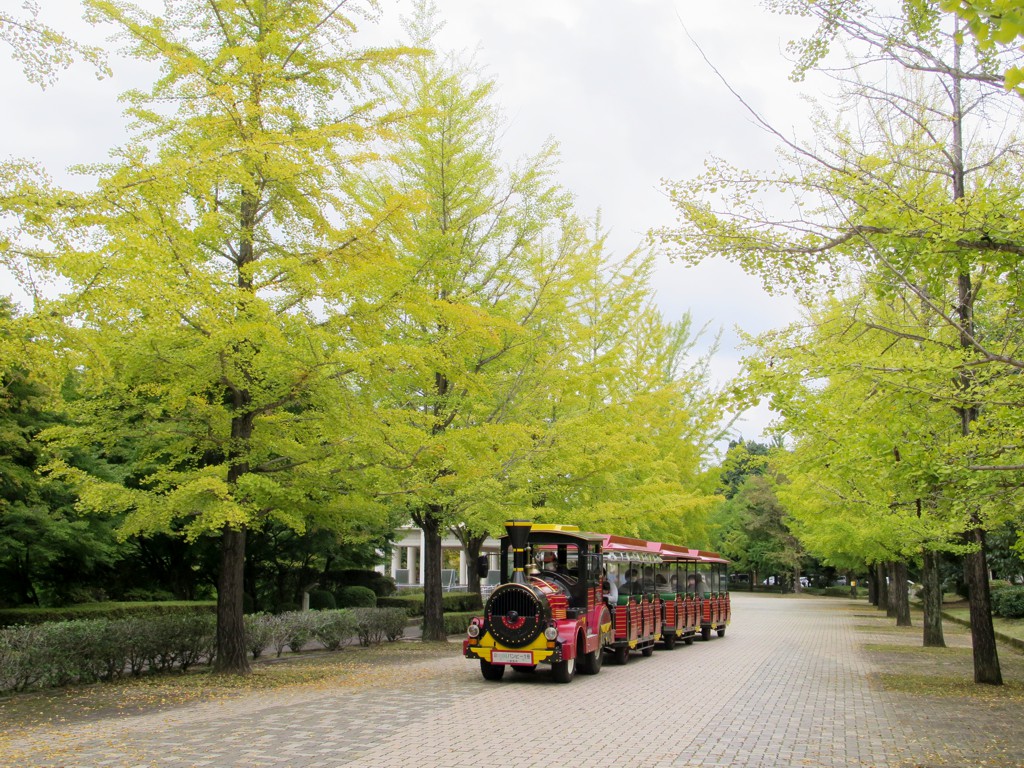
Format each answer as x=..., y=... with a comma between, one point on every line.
x=943, y=686
x=884, y=629
x=916, y=649
x=1010, y=627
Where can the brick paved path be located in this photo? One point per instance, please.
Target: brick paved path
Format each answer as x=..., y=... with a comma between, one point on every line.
x=786, y=687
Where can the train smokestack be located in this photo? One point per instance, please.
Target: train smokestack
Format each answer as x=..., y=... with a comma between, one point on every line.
x=518, y=535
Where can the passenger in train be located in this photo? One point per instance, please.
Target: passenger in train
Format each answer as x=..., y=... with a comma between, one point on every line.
x=632, y=585
x=611, y=592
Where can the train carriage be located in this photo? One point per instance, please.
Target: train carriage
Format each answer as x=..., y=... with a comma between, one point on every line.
x=567, y=597
x=633, y=565
x=681, y=604
x=713, y=585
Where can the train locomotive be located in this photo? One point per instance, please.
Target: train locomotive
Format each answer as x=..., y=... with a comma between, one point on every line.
x=569, y=597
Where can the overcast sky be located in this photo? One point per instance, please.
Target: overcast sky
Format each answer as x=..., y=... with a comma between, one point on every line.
x=617, y=84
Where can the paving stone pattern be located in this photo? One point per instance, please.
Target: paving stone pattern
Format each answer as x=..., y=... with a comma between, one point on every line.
x=787, y=686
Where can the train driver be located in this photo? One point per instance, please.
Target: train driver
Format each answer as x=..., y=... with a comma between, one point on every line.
x=547, y=561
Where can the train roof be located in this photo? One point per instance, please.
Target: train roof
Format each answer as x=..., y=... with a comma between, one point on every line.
x=623, y=549
x=562, y=531
x=676, y=553
x=709, y=557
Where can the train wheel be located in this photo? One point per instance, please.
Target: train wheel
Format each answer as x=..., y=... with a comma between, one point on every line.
x=592, y=662
x=669, y=641
x=705, y=633
x=622, y=654
x=564, y=671
x=721, y=631
x=648, y=650
x=491, y=671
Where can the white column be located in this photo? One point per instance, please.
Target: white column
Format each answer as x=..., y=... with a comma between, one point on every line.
x=423, y=558
x=411, y=555
x=396, y=560
x=463, y=570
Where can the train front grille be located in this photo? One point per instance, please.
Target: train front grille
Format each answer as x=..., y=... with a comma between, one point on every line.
x=516, y=615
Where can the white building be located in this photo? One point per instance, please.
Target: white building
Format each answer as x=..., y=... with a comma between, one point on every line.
x=406, y=566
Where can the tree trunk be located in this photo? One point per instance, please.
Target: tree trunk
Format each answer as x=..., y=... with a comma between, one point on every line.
x=873, y=586
x=890, y=591
x=797, y=586
x=472, y=546
x=983, y=635
x=433, y=606
x=931, y=594
x=898, y=589
x=232, y=653
x=883, y=586
x=986, y=659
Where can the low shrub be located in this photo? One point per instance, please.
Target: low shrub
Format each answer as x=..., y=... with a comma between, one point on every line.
x=411, y=604
x=381, y=585
x=293, y=629
x=86, y=650
x=258, y=633
x=110, y=610
x=140, y=595
x=373, y=625
x=457, y=602
x=451, y=602
x=1008, y=603
x=334, y=628
x=356, y=597
x=457, y=623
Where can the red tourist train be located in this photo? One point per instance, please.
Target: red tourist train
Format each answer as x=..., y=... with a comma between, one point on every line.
x=568, y=597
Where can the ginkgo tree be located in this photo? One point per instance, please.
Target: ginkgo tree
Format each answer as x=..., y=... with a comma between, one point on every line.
x=922, y=196
x=217, y=284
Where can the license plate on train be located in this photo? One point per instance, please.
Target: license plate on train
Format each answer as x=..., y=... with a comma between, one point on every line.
x=511, y=657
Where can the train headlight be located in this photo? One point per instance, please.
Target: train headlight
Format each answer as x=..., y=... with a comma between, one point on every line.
x=473, y=630
x=551, y=633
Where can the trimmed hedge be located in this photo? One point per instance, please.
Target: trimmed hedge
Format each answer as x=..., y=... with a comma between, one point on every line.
x=87, y=650
x=453, y=602
x=1008, y=602
x=356, y=597
x=12, y=616
x=381, y=585
x=457, y=623
x=373, y=625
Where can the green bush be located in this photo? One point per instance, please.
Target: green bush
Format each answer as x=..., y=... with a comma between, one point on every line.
x=373, y=625
x=1008, y=602
x=321, y=600
x=456, y=623
x=451, y=602
x=411, y=604
x=180, y=641
x=381, y=585
x=110, y=610
x=457, y=602
x=997, y=584
x=258, y=632
x=334, y=628
x=294, y=629
x=356, y=597
x=139, y=595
